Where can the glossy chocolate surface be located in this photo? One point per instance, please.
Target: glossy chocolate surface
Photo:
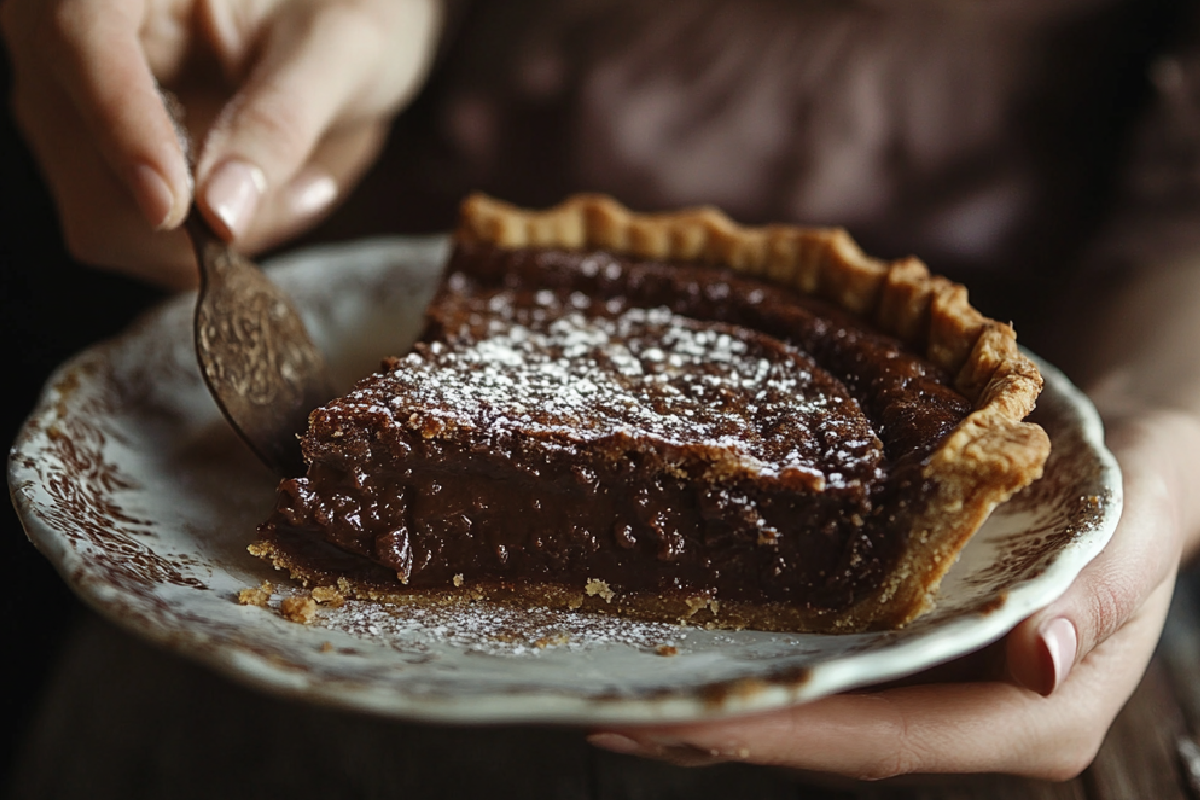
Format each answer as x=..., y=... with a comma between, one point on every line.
x=662, y=428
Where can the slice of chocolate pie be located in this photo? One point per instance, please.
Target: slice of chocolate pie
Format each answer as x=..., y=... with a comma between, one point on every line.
x=670, y=417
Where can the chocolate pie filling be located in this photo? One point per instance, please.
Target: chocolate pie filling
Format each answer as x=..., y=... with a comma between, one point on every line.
x=653, y=433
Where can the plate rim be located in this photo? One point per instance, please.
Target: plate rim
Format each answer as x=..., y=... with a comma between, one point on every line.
x=757, y=694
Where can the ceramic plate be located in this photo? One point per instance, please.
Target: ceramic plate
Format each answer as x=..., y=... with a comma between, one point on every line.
x=128, y=480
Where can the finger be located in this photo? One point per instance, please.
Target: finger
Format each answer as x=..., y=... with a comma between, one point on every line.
x=1143, y=553
x=335, y=167
x=101, y=224
x=947, y=728
x=291, y=100
x=98, y=58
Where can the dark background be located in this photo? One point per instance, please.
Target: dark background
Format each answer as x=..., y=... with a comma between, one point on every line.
x=51, y=307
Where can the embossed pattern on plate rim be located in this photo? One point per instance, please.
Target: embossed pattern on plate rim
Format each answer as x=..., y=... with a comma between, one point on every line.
x=150, y=578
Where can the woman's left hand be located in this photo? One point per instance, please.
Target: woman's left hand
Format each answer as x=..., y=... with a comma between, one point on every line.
x=1069, y=668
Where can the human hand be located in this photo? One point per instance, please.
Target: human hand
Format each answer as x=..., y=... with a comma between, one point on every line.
x=1069, y=668
x=285, y=101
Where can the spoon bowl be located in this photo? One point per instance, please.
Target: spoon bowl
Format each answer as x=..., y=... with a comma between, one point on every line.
x=255, y=354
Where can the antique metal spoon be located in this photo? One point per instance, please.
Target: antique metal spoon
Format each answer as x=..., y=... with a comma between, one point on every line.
x=255, y=354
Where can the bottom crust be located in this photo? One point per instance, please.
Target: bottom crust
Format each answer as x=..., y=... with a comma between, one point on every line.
x=694, y=609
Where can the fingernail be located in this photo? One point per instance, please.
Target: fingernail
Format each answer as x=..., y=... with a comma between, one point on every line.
x=233, y=192
x=1061, y=643
x=311, y=193
x=153, y=195
x=617, y=744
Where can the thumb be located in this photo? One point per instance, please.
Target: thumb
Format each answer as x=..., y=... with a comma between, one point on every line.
x=1143, y=553
x=322, y=67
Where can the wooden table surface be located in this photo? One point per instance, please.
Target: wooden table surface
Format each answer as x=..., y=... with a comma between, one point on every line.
x=123, y=720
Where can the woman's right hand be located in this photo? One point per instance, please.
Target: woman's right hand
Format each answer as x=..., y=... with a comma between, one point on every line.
x=286, y=103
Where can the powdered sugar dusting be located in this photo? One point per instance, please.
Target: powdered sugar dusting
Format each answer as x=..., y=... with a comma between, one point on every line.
x=488, y=628
x=571, y=375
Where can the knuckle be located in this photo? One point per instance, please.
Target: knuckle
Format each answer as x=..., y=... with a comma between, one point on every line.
x=1112, y=600
x=278, y=125
x=901, y=755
